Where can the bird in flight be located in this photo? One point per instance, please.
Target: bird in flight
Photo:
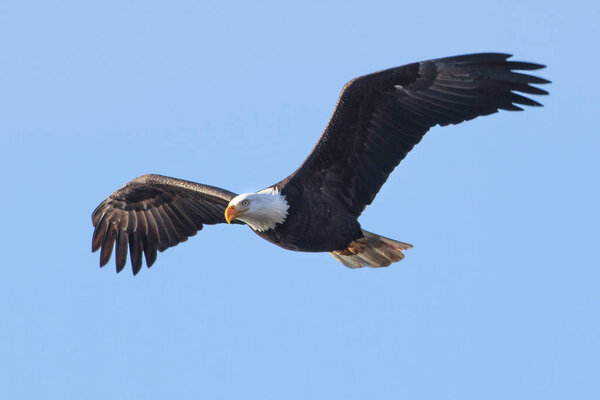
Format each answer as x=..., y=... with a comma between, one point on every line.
x=377, y=120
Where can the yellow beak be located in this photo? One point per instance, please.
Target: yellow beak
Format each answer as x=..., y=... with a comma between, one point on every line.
x=231, y=213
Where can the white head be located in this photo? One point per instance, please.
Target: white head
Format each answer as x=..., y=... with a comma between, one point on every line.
x=261, y=211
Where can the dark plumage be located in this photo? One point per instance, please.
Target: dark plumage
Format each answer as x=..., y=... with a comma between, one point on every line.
x=153, y=213
x=378, y=119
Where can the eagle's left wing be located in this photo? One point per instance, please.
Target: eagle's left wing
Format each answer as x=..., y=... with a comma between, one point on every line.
x=380, y=117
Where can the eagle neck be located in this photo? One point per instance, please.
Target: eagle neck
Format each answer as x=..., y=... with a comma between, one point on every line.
x=269, y=209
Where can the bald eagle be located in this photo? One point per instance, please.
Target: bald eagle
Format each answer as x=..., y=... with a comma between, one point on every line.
x=377, y=120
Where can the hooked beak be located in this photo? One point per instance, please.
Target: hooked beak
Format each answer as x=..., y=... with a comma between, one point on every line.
x=231, y=213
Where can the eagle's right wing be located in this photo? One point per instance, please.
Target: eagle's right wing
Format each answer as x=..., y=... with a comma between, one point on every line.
x=153, y=213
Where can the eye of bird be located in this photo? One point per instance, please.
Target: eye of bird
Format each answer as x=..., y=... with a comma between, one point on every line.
x=245, y=202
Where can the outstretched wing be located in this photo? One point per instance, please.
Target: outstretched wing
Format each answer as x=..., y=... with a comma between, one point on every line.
x=380, y=117
x=153, y=213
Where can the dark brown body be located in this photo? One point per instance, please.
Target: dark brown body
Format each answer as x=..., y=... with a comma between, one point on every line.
x=314, y=224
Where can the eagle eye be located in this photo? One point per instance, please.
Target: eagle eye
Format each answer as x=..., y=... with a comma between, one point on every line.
x=245, y=202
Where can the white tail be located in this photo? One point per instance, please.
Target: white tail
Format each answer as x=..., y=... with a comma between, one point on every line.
x=371, y=251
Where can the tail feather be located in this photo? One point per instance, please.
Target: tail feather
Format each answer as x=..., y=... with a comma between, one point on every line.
x=371, y=251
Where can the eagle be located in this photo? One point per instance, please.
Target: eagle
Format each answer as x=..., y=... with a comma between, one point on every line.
x=377, y=120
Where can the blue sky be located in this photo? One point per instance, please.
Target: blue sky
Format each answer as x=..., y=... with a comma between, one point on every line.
x=498, y=299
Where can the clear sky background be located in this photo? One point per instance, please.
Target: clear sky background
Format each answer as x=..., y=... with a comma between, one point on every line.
x=499, y=299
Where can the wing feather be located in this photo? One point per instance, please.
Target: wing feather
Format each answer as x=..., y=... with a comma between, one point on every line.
x=152, y=213
x=380, y=117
